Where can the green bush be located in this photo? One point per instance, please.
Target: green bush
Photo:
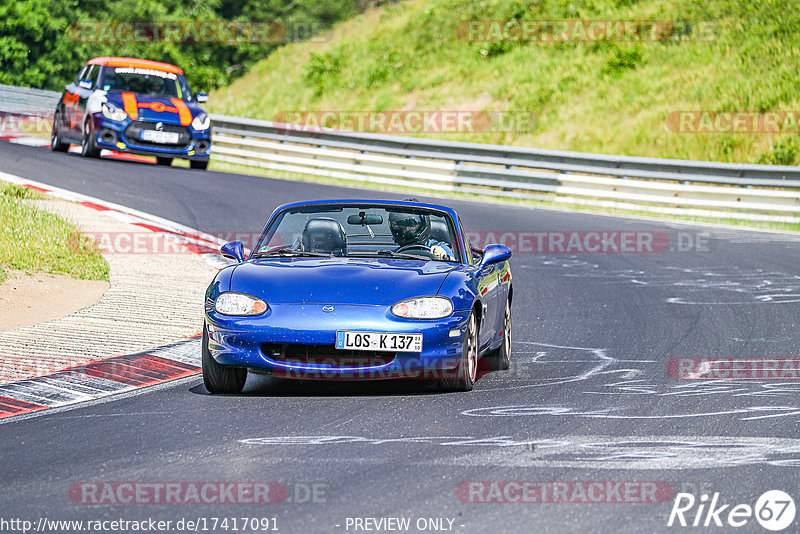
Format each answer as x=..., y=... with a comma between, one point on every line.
x=40, y=47
x=781, y=153
x=323, y=70
x=621, y=60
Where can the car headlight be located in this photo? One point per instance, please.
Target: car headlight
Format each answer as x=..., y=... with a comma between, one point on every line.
x=113, y=112
x=201, y=122
x=423, y=308
x=232, y=303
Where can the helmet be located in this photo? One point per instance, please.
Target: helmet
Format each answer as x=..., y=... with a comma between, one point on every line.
x=409, y=228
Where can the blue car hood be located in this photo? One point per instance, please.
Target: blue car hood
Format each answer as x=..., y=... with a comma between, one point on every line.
x=167, y=115
x=367, y=281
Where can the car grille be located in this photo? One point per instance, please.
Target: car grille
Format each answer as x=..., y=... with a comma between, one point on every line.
x=325, y=355
x=134, y=130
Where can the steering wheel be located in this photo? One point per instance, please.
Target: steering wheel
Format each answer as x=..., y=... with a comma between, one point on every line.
x=424, y=248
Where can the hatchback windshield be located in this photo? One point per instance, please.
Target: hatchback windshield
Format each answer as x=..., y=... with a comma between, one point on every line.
x=148, y=82
x=361, y=230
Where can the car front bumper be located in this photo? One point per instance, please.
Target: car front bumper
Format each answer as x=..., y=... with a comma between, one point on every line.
x=253, y=342
x=111, y=135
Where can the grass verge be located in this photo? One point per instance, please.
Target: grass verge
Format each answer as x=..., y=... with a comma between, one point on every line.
x=34, y=240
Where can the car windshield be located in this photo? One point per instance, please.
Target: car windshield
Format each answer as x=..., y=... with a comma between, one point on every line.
x=148, y=82
x=361, y=231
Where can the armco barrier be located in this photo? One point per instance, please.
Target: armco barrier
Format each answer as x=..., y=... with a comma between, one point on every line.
x=678, y=187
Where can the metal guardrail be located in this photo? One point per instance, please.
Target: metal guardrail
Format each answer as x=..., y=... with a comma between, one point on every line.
x=26, y=101
x=682, y=187
x=678, y=187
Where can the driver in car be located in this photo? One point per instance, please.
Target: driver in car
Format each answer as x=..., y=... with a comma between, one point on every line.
x=411, y=230
x=154, y=86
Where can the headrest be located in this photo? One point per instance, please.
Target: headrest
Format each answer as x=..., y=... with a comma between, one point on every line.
x=439, y=231
x=324, y=235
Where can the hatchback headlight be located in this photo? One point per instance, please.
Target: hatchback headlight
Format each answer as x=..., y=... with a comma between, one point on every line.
x=232, y=303
x=423, y=308
x=113, y=113
x=201, y=122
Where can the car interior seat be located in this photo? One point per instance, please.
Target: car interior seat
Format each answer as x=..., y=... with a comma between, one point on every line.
x=439, y=232
x=324, y=235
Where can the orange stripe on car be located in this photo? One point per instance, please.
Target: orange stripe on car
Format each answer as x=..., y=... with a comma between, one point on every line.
x=184, y=114
x=157, y=106
x=71, y=101
x=130, y=105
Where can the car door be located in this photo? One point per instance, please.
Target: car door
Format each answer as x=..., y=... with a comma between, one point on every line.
x=71, y=119
x=86, y=87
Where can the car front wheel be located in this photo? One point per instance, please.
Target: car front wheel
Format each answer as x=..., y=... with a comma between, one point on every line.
x=220, y=378
x=89, y=143
x=463, y=377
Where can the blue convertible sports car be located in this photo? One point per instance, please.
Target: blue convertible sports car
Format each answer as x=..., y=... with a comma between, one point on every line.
x=358, y=289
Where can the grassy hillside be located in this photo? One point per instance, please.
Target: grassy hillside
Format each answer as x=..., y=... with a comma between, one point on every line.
x=608, y=97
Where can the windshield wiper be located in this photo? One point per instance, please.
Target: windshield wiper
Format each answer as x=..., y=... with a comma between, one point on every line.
x=285, y=251
x=405, y=255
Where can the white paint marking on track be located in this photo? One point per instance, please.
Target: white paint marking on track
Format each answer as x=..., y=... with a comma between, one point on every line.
x=599, y=355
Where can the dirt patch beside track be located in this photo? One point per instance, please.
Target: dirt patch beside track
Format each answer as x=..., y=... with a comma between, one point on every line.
x=31, y=298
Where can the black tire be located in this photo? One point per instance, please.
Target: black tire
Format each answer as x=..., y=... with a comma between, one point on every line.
x=201, y=164
x=163, y=161
x=463, y=377
x=220, y=378
x=89, y=143
x=500, y=359
x=56, y=143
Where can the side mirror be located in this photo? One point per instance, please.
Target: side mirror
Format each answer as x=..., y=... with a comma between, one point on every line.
x=202, y=98
x=86, y=84
x=233, y=250
x=494, y=254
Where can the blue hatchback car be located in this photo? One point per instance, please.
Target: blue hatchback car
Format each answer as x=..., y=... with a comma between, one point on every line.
x=358, y=289
x=133, y=106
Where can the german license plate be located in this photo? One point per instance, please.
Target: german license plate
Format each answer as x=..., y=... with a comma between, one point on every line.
x=154, y=136
x=378, y=341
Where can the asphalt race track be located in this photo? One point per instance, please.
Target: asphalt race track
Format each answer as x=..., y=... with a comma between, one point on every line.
x=592, y=395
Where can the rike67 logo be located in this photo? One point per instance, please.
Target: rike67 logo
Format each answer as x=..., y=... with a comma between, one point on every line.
x=774, y=510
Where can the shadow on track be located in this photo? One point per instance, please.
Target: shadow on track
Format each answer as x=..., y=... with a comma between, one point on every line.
x=269, y=386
